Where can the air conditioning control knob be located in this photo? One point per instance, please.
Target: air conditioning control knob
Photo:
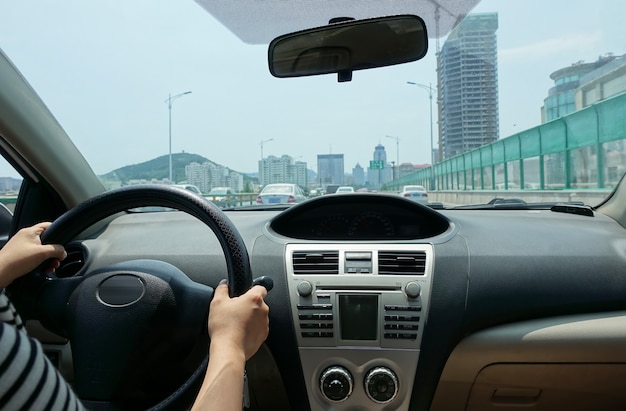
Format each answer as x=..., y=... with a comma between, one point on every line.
x=336, y=384
x=381, y=385
x=304, y=288
x=412, y=289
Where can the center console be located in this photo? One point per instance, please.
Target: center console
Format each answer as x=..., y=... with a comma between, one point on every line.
x=359, y=313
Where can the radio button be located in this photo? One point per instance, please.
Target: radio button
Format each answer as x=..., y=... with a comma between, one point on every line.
x=315, y=307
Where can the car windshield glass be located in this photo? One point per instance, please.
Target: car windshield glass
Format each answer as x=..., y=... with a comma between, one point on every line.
x=522, y=99
x=277, y=190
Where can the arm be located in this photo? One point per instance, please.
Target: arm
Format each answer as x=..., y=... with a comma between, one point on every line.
x=24, y=252
x=237, y=327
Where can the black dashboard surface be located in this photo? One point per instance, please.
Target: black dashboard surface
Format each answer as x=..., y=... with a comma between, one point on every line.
x=360, y=217
x=491, y=267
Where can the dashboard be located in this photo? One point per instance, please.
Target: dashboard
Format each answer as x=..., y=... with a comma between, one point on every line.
x=382, y=303
x=360, y=217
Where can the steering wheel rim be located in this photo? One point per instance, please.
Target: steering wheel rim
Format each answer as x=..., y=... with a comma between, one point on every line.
x=54, y=294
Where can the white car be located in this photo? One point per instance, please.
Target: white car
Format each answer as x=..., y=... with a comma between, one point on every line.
x=344, y=190
x=223, y=196
x=189, y=187
x=281, y=194
x=415, y=193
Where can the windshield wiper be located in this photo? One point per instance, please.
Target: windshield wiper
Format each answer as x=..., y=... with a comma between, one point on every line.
x=518, y=204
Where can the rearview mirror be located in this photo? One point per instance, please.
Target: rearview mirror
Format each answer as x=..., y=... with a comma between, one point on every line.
x=348, y=46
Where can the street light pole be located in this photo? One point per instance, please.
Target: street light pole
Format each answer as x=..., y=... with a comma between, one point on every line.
x=397, y=152
x=429, y=89
x=169, y=101
x=261, y=179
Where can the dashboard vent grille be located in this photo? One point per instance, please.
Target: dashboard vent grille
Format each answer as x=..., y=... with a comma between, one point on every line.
x=401, y=262
x=316, y=262
x=72, y=264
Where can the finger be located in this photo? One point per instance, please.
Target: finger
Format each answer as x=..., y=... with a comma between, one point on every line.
x=41, y=227
x=258, y=290
x=222, y=290
x=43, y=224
x=55, y=251
x=265, y=281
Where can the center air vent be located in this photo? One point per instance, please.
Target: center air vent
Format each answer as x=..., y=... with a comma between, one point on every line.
x=316, y=262
x=401, y=262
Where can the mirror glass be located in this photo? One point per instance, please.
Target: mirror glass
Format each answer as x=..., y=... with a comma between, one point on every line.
x=349, y=46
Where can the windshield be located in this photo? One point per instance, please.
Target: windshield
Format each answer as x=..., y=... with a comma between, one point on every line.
x=523, y=99
x=277, y=189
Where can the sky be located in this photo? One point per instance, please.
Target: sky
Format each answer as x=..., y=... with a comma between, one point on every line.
x=105, y=69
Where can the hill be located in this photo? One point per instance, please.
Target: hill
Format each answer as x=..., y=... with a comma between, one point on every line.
x=158, y=169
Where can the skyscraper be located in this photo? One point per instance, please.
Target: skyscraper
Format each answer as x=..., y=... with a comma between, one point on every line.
x=330, y=169
x=282, y=170
x=467, y=68
x=379, y=171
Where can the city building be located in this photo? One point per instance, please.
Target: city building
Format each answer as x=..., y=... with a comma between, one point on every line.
x=409, y=168
x=282, y=169
x=207, y=175
x=467, y=68
x=605, y=81
x=379, y=172
x=330, y=169
x=358, y=175
x=561, y=98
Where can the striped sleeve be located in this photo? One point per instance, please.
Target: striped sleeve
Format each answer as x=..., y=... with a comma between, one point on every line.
x=28, y=380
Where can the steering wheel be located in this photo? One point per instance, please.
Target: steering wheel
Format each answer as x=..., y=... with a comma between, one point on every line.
x=138, y=329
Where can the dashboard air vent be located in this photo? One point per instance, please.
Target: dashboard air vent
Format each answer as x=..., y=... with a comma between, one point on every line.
x=72, y=264
x=316, y=262
x=401, y=262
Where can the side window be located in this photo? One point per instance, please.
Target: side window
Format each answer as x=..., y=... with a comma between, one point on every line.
x=10, y=183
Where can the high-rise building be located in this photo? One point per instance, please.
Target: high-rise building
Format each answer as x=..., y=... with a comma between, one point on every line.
x=330, y=169
x=467, y=69
x=282, y=169
x=379, y=172
x=207, y=175
x=358, y=175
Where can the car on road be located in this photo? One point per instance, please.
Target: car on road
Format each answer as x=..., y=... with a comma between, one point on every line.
x=189, y=187
x=281, y=194
x=416, y=193
x=344, y=190
x=223, y=197
x=379, y=303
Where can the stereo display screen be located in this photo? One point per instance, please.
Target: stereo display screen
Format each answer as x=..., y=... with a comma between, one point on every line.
x=358, y=316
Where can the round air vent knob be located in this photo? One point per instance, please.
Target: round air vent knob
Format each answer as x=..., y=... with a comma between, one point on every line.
x=336, y=383
x=304, y=288
x=412, y=289
x=381, y=385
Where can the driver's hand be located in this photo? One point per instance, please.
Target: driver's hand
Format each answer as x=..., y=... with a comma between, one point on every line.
x=242, y=322
x=24, y=252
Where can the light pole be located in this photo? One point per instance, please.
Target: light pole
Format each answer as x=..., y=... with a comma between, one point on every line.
x=397, y=153
x=261, y=179
x=429, y=89
x=169, y=101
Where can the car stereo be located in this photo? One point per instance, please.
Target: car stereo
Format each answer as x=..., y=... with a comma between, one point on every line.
x=359, y=313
